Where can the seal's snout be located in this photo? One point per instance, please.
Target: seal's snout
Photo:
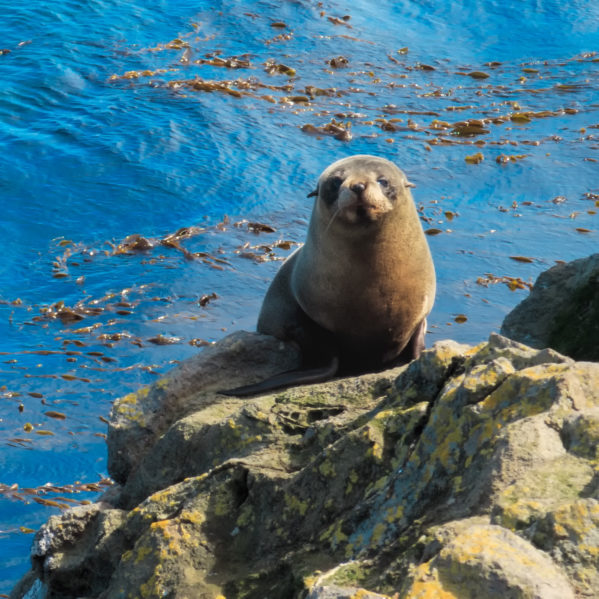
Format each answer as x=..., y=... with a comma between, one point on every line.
x=358, y=188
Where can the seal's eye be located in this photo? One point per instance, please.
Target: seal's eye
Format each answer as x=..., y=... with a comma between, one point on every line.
x=382, y=182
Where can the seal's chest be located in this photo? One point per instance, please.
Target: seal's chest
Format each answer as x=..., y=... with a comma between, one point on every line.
x=361, y=311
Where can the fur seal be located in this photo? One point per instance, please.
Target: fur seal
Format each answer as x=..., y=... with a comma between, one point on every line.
x=356, y=296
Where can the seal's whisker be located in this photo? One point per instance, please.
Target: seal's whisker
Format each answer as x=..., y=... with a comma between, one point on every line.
x=332, y=219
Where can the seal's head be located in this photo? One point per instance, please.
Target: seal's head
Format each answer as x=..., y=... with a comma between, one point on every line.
x=361, y=189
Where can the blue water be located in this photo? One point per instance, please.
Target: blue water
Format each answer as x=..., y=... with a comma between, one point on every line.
x=87, y=159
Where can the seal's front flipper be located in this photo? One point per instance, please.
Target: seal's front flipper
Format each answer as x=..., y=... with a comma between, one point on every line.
x=415, y=345
x=288, y=379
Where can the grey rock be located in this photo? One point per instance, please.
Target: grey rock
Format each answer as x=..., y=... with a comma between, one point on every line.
x=138, y=419
x=562, y=311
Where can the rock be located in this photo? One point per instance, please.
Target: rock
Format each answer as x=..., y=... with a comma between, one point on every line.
x=471, y=472
x=562, y=311
x=138, y=419
x=488, y=561
x=336, y=592
x=76, y=550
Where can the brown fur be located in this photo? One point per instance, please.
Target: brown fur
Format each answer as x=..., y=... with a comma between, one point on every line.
x=355, y=297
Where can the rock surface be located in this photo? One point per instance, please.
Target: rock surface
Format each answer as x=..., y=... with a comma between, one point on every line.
x=562, y=311
x=472, y=472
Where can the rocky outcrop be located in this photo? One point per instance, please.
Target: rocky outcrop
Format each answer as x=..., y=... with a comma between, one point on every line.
x=472, y=472
x=562, y=311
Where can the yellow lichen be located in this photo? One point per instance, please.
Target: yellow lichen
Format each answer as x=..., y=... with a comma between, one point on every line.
x=294, y=504
x=521, y=511
x=151, y=588
x=162, y=383
x=160, y=525
x=128, y=406
x=576, y=520
x=363, y=594
x=426, y=585
x=196, y=517
x=376, y=451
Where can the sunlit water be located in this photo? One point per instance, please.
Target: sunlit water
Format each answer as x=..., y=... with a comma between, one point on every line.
x=103, y=135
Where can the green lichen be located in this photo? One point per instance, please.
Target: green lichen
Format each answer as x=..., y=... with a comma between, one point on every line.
x=294, y=504
x=350, y=574
x=327, y=468
x=539, y=491
x=581, y=435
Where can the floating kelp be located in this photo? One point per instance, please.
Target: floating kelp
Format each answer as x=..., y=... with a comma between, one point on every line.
x=66, y=314
x=40, y=494
x=56, y=415
x=274, y=68
x=139, y=74
x=340, y=20
x=199, y=342
x=264, y=253
x=236, y=87
x=475, y=158
x=255, y=227
x=314, y=92
x=336, y=129
x=231, y=62
x=521, y=259
x=338, y=62
x=478, y=75
x=375, y=80
x=282, y=37
x=505, y=158
x=134, y=243
x=177, y=44
x=206, y=298
x=470, y=128
x=164, y=340
x=513, y=283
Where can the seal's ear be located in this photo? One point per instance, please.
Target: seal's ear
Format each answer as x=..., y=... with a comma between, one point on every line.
x=409, y=184
x=313, y=193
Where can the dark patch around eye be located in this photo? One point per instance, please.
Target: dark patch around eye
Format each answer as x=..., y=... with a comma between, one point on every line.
x=389, y=190
x=330, y=190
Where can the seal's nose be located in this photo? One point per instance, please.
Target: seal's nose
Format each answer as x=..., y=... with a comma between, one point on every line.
x=358, y=188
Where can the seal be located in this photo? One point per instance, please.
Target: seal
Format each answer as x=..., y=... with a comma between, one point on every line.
x=356, y=296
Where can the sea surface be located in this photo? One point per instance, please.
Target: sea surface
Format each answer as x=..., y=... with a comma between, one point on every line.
x=155, y=159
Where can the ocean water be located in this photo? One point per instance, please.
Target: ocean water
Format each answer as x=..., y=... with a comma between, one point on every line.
x=201, y=127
